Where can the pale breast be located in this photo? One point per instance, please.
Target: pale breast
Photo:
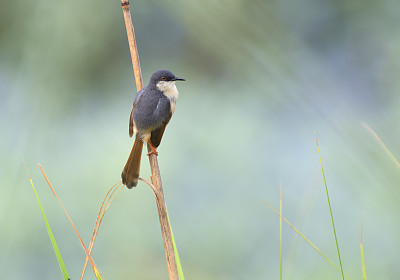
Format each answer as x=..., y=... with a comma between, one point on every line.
x=169, y=90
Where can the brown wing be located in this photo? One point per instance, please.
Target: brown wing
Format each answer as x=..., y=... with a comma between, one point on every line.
x=135, y=102
x=131, y=124
x=157, y=133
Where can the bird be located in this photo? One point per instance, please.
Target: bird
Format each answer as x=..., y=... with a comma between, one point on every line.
x=152, y=110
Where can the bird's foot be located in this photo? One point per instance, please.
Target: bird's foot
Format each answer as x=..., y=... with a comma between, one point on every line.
x=153, y=149
x=153, y=152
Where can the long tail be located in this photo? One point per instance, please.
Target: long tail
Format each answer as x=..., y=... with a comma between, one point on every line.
x=130, y=174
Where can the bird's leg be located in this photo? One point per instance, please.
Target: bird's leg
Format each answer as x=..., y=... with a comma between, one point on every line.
x=153, y=150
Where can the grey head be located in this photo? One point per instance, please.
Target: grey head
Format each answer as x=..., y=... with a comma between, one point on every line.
x=163, y=75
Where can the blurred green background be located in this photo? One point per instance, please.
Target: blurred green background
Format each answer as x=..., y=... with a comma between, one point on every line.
x=261, y=77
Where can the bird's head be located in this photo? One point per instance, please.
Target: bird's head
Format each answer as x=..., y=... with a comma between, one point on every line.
x=164, y=79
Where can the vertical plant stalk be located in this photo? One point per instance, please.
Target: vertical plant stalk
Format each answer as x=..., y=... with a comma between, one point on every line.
x=130, y=32
x=155, y=170
x=163, y=216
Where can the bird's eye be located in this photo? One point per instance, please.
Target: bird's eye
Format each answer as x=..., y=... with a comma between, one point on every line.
x=163, y=78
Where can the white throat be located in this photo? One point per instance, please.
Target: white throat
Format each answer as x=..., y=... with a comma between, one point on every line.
x=169, y=89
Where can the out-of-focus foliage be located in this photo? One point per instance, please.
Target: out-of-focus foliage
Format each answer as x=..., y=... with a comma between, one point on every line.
x=261, y=76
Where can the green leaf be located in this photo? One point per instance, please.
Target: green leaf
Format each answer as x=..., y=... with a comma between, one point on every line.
x=53, y=240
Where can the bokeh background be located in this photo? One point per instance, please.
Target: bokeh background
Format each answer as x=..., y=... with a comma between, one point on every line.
x=261, y=77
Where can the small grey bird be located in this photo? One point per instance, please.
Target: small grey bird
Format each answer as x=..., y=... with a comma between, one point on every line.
x=153, y=107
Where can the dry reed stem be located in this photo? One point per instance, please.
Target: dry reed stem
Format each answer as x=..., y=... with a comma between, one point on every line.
x=130, y=32
x=155, y=170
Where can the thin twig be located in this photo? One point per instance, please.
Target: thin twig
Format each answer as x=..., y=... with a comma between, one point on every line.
x=104, y=206
x=156, y=193
x=155, y=171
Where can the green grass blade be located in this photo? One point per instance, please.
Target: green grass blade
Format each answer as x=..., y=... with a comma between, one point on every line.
x=362, y=254
x=95, y=270
x=330, y=209
x=53, y=240
x=178, y=261
x=280, y=232
x=363, y=263
x=306, y=239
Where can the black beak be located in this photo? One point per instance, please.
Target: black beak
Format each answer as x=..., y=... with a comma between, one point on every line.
x=179, y=79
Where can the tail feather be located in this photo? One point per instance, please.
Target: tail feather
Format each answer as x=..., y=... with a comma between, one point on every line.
x=130, y=174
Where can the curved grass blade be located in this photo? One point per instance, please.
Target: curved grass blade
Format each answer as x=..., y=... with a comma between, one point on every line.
x=386, y=149
x=306, y=239
x=330, y=209
x=63, y=268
